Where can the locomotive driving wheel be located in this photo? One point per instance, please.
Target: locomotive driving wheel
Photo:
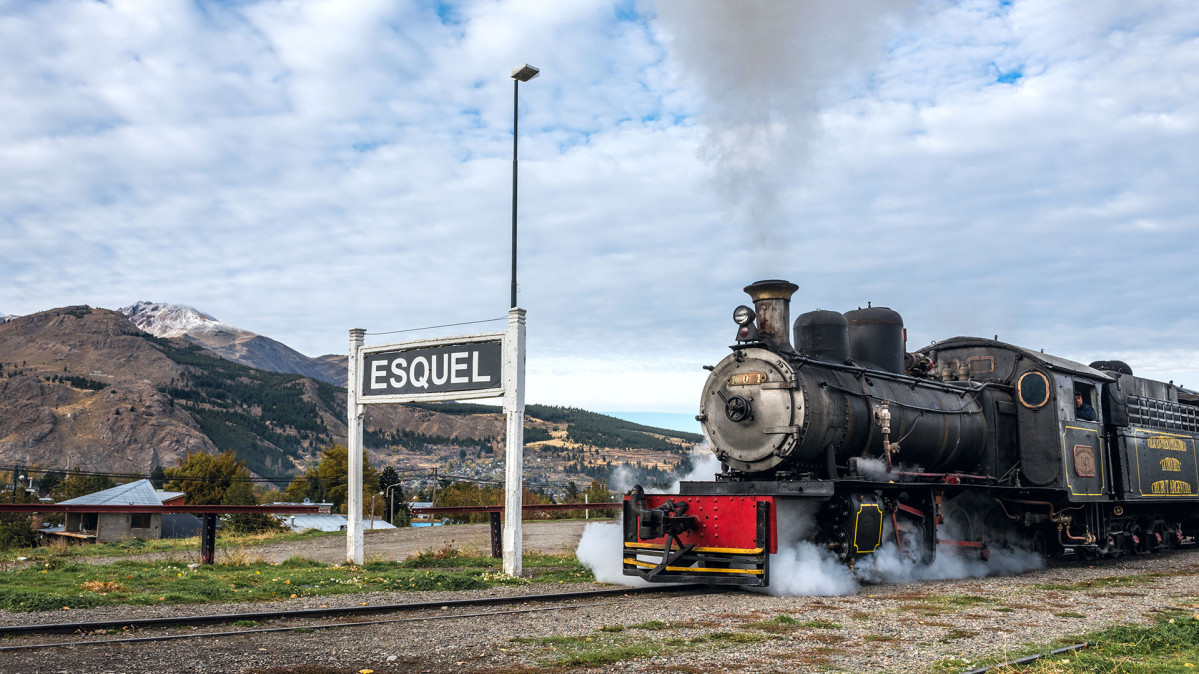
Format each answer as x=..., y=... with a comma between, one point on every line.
x=1138, y=540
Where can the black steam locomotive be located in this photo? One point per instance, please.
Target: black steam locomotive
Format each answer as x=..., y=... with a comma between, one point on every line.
x=845, y=438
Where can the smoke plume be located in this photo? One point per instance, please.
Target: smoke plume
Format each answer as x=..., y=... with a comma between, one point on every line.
x=765, y=67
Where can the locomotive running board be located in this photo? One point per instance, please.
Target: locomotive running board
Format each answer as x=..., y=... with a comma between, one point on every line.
x=659, y=563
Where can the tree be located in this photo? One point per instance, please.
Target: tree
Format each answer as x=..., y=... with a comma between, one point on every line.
x=80, y=485
x=396, y=504
x=158, y=477
x=16, y=531
x=241, y=493
x=327, y=481
x=205, y=477
x=468, y=494
x=598, y=492
x=49, y=480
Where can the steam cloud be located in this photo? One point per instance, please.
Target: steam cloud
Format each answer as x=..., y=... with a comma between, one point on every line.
x=876, y=469
x=602, y=543
x=764, y=67
x=704, y=467
x=802, y=568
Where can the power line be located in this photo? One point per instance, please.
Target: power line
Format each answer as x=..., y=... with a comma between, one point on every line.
x=435, y=327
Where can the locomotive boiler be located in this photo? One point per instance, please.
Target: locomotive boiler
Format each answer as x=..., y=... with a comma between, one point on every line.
x=843, y=437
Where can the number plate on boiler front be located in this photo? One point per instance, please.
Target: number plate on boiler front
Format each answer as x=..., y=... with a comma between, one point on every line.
x=747, y=378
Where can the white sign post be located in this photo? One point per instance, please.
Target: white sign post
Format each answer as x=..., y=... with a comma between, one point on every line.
x=451, y=368
x=355, y=410
x=514, y=461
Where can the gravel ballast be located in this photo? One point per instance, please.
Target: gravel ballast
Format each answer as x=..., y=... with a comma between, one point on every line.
x=901, y=628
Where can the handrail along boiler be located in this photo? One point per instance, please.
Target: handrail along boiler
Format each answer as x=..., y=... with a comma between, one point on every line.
x=812, y=440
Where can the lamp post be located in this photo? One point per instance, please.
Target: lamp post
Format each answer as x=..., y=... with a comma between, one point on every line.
x=391, y=506
x=521, y=74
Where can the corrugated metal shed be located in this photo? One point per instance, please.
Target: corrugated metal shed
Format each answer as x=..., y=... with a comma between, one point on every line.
x=181, y=525
x=330, y=523
x=135, y=493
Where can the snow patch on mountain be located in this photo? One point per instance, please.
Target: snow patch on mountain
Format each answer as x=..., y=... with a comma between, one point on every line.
x=4, y=318
x=232, y=343
x=176, y=320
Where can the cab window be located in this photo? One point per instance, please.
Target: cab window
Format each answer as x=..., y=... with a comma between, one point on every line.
x=1084, y=402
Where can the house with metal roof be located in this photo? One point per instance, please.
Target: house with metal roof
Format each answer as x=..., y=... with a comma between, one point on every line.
x=327, y=521
x=110, y=527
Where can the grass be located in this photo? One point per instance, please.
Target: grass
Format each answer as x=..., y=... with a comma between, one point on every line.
x=933, y=605
x=777, y=624
x=589, y=651
x=1107, y=581
x=1170, y=644
x=649, y=625
x=610, y=644
x=821, y=624
x=66, y=584
x=606, y=655
x=955, y=634
x=64, y=550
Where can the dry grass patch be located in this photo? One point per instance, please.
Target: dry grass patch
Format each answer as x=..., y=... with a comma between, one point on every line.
x=826, y=637
x=806, y=658
x=1069, y=614
x=956, y=634
x=695, y=624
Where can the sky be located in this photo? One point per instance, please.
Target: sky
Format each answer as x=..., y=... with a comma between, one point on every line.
x=1020, y=169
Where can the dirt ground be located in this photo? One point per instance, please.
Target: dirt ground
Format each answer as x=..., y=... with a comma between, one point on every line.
x=553, y=537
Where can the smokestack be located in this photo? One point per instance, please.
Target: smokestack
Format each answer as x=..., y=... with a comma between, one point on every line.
x=772, y=302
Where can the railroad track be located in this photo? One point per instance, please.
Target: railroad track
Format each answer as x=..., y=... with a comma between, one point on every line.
x=173, y=622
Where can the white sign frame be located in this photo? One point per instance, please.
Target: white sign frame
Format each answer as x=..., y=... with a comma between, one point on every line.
x=512, y=389
x=478, y=394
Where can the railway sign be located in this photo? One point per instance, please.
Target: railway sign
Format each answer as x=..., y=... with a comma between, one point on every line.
x=443, y=369
x=467, y=367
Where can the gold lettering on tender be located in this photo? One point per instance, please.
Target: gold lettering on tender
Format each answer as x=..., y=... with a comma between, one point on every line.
x=1171, y=465
x=1162, y=442
x=1171, y=488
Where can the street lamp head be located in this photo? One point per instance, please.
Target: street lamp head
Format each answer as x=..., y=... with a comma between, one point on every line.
x=525, y=73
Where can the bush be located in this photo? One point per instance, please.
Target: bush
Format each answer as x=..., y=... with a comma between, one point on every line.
x=16, y=531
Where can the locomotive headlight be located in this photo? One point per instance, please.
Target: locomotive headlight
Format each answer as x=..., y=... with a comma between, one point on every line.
x=743, y=315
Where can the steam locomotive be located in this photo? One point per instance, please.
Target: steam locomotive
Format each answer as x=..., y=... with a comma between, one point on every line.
x=846, y=439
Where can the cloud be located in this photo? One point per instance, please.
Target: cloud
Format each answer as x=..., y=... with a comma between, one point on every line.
x=298, y=169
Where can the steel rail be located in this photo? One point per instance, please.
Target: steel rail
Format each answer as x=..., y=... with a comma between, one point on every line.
x=265, y=630
x=1030, y=658
x=143, y=623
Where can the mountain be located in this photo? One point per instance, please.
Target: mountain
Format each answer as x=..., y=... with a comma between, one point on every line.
x=232, y=343
x=4, y=318
x=67, y=398
x=85, y=388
